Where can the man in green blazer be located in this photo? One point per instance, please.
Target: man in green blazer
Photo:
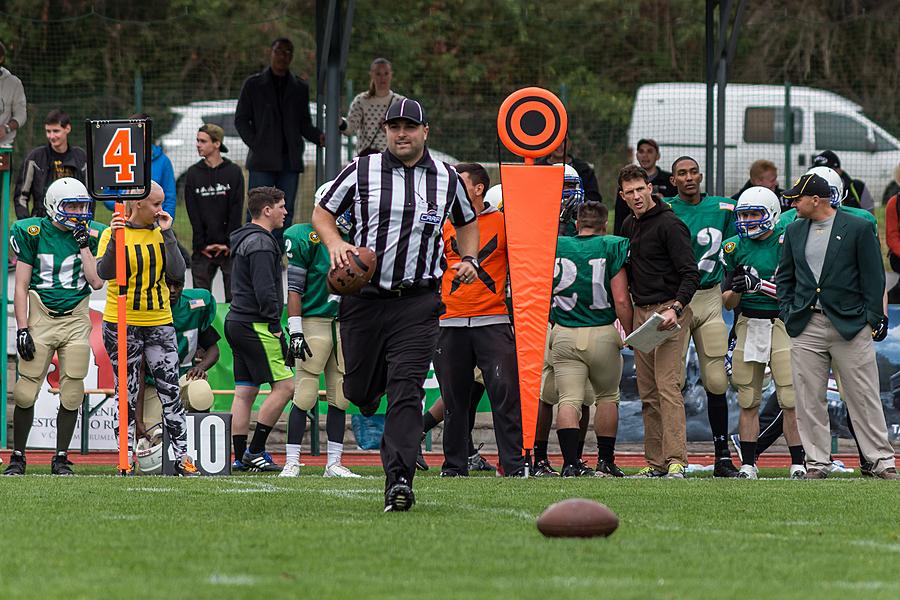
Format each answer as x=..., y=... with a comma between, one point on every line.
x=830, y=288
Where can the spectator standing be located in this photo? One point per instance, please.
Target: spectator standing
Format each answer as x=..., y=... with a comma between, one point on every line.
x=892, y=188
x=366, y=115
x=13, y=106
x=892, y=231
x=45, y=164
x=858, y=195
x=389, y=331
x=585, y=170
x=272, y=117
x=830, y=286
x=663, y=277
x=214, y=199
x=764, y=173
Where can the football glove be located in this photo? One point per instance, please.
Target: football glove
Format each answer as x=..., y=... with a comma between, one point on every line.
x=298, y=348
x=81, y=236
x=880, y=332
x=24, y=344
x=745, y=281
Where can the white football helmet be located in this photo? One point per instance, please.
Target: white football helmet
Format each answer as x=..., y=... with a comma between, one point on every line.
x=494, y=197
x=344, y=221
x=761, y=200
x=834, y=182
x=68, y=203
x=572, y=194
x=149, y=452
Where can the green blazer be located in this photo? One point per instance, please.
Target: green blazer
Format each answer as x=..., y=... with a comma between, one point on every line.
x=851, y=287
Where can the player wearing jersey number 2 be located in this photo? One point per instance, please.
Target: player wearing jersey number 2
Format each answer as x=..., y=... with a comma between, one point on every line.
x=54, y=275
x=709, y=219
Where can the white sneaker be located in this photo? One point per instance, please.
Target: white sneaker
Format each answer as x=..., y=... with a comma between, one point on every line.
x=338, y=470
x=290, y=470
x=748, y=472
x=798, y=471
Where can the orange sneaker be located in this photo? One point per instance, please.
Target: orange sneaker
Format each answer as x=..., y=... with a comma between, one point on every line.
x=186, y=468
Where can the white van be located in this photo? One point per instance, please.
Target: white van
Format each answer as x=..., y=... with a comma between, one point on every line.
x=674, y=114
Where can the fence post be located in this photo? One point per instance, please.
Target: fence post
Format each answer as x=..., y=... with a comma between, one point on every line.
x=348, y=92
x=788, y=133
x=5, y=170
x=138, y=92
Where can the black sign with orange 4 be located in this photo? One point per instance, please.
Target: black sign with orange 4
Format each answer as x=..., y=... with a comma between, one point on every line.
x=118, y=153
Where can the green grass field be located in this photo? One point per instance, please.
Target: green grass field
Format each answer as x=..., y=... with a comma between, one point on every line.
x=259, y=536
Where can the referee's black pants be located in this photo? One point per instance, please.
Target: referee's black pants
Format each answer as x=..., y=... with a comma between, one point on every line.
x=388, y=343
x=492, y=349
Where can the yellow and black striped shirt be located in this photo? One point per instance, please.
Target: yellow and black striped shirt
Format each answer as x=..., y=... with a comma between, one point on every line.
x=147, y=293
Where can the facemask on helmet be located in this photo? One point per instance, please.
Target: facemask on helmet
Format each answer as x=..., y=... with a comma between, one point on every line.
x=834, y=182
x=149, y=452
x=757, y=212
x=344, y=221
x=572, y=194
x=68, y=203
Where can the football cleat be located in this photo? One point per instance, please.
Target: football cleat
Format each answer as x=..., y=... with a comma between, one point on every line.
x=61, y=465
x=542, y=468
x=798, y=472
x=186, y=468
x=608, y=468
x=577, y=470
x=748, y=472
x=290, y=469
x=650, y=472
x=478, y=463
x=16, y=464
x=399, y=497
x=725, y=468
x=259, y=461
x=676, y=471
x=238, y=465
x=339, y=470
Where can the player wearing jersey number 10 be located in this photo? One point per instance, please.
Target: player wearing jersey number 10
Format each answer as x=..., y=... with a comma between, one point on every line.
x=54, y=275
x=709, y=219
x=590, y=292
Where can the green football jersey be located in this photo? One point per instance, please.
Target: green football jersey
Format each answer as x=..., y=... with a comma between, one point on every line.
x=308, y=266
x=789, y=216
x=193, y=314
x=585, y=265
x=56, y=275
x=710, y=221
x=760, y=257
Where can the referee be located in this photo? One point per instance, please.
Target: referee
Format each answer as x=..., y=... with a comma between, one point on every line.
x=399, y=200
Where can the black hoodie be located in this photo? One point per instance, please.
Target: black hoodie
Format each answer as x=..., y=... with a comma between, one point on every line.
x=214, y=198
x=257, y=294
x=661, y=263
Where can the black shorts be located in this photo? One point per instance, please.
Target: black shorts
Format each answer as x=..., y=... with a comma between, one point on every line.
x=259, y=355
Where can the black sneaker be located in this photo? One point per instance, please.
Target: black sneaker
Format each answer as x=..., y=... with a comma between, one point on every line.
x=725, y=468
x=542, y=468
x=577, y=470
x=609, y=468
x=61, y=465
x=520, y=472
x=421, y=465
x=865, y=469
x=259, y=461
x=399, y=497
x=478, y=463
x=16, y=464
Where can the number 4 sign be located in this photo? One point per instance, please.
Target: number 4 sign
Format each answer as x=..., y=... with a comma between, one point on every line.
x=118, y=158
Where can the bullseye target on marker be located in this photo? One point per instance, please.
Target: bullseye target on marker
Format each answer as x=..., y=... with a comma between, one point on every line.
x=532, y=122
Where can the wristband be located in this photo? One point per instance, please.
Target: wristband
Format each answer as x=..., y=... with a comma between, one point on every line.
x=295, y=325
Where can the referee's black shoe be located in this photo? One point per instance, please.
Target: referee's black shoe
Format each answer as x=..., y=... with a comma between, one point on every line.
x=725, y=468
x=399, y=497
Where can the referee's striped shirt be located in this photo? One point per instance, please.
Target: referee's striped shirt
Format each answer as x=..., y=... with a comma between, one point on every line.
x=399, y=212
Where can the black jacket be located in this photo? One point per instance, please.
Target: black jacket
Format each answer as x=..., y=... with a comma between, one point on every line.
x=661, y=263
x=588, y=177
x=266, y=122
x=214, y=198
x=257, y=294
x=38, y=173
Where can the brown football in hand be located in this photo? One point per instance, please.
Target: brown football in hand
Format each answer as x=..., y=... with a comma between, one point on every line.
x=351, y=278
x=577, y=517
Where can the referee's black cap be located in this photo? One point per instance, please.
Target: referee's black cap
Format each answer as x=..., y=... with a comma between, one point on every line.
x=408, y=109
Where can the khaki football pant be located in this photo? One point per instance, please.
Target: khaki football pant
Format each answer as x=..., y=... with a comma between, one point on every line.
x=549, y=395
x=69, y=337
x=324, y=338
x=196, y=396
x=710, y=335
x=587, y=363
x=748, y=377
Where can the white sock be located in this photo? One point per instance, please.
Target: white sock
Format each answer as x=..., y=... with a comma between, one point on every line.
x=335, y=450
x=292, y=452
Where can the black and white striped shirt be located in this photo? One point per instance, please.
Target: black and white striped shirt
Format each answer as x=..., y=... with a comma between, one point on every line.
x=399, y=212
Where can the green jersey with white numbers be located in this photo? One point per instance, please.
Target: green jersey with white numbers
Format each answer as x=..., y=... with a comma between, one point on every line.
x=710, y=221
x=585, y=265
x=193, y=314
x=759, y=257
x=308, y=266
x=56, y=275
x=789, y=216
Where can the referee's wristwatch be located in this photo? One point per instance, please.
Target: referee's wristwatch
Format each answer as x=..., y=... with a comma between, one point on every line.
x=471, y=260
x=678, y=308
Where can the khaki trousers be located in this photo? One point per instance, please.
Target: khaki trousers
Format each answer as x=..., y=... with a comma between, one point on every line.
x=659, y=376
x=816, y=350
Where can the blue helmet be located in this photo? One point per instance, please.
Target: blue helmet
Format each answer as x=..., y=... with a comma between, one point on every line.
x=761, y=200
x=572, y=193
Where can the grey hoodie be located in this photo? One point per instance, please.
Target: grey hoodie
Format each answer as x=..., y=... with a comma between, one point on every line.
x=257, y=294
